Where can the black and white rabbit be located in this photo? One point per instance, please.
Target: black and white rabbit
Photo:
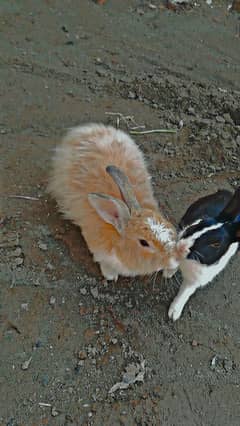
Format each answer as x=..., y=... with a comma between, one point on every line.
x=209, y=237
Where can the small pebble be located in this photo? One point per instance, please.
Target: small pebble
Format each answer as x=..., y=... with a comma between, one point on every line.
x=194, y=343
x=94, y=292
x=42, y=246
x=26, y=364
x=52, y=300
x=24, y=306
x=191, y=110
x=101, y=72
x=54, y=412
x=83, y=291
x=17, y=252
x=220, y=119
x=49, y=266
x=82, y=355
x=18, y=261
x=131, y=95
x=152, y=6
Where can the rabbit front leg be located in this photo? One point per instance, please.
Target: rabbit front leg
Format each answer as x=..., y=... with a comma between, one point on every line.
x=187, y=289
x=109, y=273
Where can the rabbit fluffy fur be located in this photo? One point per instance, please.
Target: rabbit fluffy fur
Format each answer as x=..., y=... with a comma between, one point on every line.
x=123, y=240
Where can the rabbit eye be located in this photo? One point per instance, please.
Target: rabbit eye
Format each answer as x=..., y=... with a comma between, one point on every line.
x=215, y=245
x=144, y=243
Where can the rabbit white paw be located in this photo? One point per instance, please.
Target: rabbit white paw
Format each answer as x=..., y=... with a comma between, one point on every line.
x=175, y=310
x=109, y=273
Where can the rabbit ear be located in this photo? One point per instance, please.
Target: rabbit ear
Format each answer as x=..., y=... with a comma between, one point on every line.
x=110, y=209
x=211, y=205
x=232, y=210
x=125, y=187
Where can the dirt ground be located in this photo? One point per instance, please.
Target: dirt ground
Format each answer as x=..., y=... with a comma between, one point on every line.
x=66, y=338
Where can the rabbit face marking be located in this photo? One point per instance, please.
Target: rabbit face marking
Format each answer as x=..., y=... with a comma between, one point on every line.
x=163, y=234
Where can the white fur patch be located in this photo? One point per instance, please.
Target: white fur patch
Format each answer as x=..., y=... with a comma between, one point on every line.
x=161, y=232
x=188, y=226
x=192, y=238
x=196, y=273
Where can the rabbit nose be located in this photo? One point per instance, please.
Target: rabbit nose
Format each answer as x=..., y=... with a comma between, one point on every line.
x=182, y=249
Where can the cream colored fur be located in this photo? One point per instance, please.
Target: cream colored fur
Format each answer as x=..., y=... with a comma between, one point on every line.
x=79, y=168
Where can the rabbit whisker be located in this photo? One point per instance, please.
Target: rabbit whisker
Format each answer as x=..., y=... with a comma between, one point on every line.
x=154, y=279
x=199, y=254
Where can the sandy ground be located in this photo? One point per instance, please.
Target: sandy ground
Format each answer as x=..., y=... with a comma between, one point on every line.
x=65, y=338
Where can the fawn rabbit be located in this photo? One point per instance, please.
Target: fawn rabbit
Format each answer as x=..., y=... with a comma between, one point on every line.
x=101, y=184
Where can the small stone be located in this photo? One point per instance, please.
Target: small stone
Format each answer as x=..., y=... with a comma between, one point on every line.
x=101, y=72
x=227, y=118
x=37, y=282
x=131, y=95
x=82, y=355
x=204, y=122
x=24, y=306
x=83, y=291
x=180, y=124
x=54, y=412
x=17, y=252
x=220, y=119
x=114, y=341
x=94, y=292
x=26, y=364
x=64, y=28
x=42, y=246
x=191, y=111
x=50, y=266
x=152, y=6
x=18, y=261
x=194, y=343
x=52, y=300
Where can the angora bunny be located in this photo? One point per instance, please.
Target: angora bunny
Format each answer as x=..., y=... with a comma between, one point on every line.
x=101, y=184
